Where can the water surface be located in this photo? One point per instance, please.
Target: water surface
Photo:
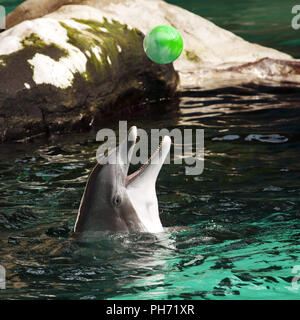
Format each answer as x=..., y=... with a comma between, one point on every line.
x=231, y=233
x=265, y=22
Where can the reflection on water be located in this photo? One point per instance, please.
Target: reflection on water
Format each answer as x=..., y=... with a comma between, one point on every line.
x=232, y=232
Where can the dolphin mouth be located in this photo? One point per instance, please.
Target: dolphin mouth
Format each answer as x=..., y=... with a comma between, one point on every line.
x=140, y=171
x=156, y=159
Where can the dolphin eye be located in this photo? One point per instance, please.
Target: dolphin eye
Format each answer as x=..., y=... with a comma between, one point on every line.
x=116, y=201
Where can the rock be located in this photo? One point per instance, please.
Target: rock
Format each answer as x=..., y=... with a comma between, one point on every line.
x=68, y=64
x=61, y=73
x=212, y=57
x=32, y=9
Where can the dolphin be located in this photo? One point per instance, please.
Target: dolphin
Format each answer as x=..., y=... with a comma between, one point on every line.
x=115, y=201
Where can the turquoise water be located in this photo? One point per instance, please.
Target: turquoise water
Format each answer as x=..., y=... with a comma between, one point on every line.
x=10, y=4
x=265, y=22
x=231, y=233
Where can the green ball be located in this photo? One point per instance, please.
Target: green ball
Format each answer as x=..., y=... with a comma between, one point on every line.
x=163, y=44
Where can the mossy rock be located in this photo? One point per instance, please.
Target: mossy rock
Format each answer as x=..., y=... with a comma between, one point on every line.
x=65, y=75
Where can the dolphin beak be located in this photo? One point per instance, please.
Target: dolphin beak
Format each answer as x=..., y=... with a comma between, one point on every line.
x=150, y=170
x=125, y=150
x=140, y=187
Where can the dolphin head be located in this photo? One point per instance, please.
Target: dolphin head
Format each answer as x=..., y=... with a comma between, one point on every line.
x=114, y=201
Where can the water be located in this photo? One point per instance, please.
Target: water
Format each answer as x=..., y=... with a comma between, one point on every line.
x=265, y=22
x=10, y=4
x=231, y=233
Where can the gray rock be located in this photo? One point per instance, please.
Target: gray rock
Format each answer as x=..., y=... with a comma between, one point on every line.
x=212, y=57
x=64, y=74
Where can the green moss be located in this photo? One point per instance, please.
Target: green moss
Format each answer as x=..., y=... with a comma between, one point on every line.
x=116, y=34
x=190, y=55
x=32, y=45
x=16, y=63
x=106, y=36
x=33, y=40
x=85, y=43
x=113, y=27
x=52, y=50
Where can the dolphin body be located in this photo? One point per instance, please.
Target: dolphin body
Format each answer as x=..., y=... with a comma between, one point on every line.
x=114, y=201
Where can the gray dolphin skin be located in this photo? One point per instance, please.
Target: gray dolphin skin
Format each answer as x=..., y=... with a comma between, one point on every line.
x=114, y=201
